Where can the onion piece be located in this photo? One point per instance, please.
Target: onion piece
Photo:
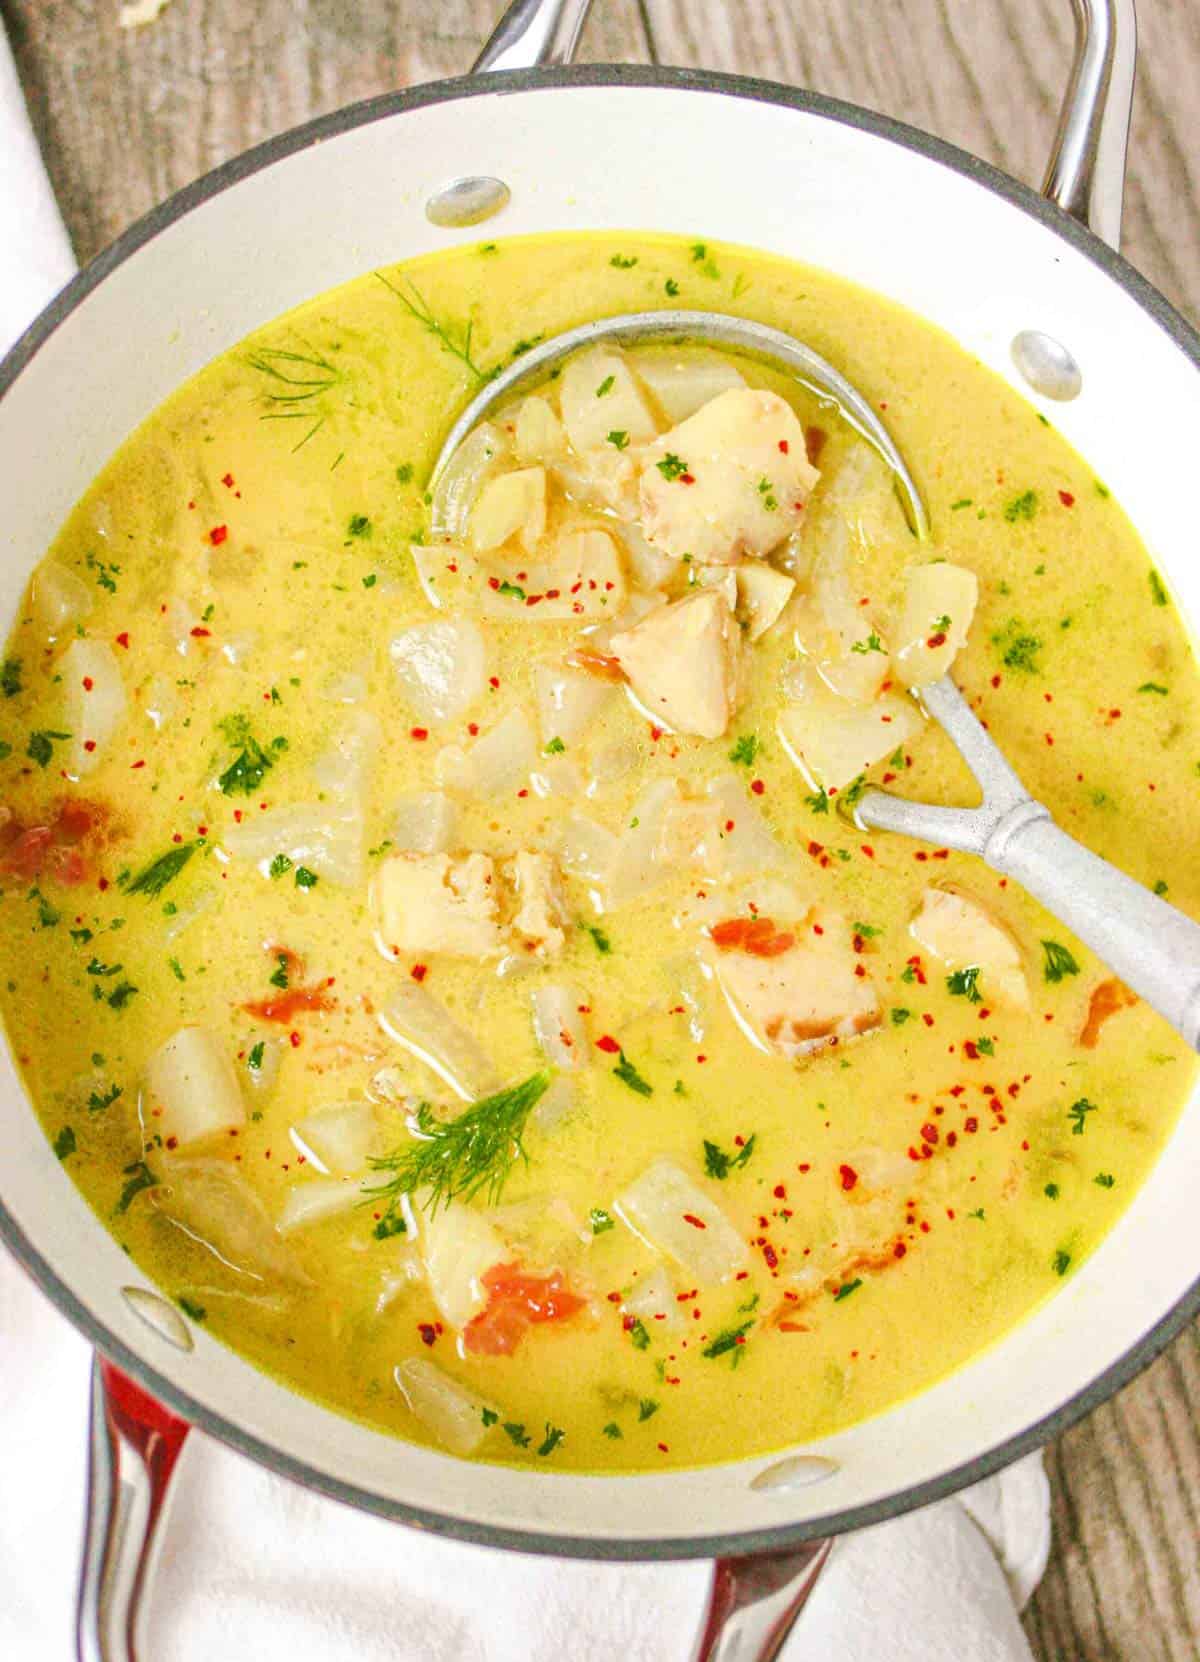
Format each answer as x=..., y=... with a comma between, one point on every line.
x=191, y=1088
x=440, y=667
x=337, y=1140
x=588, y=414
x=61, y=598
x=475, y=460
x=344, y=767
x=424, y=823
x=94, y=702
x=635, y=867
x=558, y=776
x=424, y=1026
x=538, y=435
x=558, y=1026
x=213, y=1203
x=658, y=1205
x=832, y=742
x=750, y=846
x=557, y=1103
x=499, y=761
x=453, y=1414
x=316, y=1199
x=510, y=504
x=459, y=1246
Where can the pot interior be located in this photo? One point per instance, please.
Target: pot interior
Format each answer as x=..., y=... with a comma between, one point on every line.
x=737, y=163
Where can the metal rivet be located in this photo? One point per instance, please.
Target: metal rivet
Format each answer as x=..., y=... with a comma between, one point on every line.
x=159, y=1315
x=1047, y=365
x=798, y=1471
x=467, y=201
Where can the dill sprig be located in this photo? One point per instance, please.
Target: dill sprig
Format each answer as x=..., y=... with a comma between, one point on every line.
x=455, y=338
x=456, y=1159
x=295, y=378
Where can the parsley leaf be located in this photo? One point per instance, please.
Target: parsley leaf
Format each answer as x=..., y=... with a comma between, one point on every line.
x=600, y=1220
x=629, y=1075
x=554, y=1436
x=153, y=879
x=64, y=1143
x=279, y=865
x=98, y=1101
x=599, y=939
x=745, y=750
x=41, y=746
x=729, y=1339
x=718, y=1164
x=618, y=438
x=10, y=677
x=1077, y=1114
x=671, y=466
x=305, y=879
x=847, y=1288
x=1021, y=507
x=1059, y=961
x=964, y=983
x=138, y=1177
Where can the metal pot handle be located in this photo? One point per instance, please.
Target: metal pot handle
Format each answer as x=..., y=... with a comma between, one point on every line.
x=1086, y=173
x=133, y=1444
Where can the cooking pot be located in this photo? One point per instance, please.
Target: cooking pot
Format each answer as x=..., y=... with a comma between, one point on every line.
x=537, y=146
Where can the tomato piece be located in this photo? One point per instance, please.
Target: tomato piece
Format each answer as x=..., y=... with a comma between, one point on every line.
x=283, y=1006
x=1109, y=997
x=602, y=665
x=517, y=1301
x=57, y=848
x=756, y=936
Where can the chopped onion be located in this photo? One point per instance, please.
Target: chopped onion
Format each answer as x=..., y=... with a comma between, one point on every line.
x=750, y=846
x=499, y=761
x=557, y=1103
x=658, y=1205
x=94, y=701
x=649, y=566
x=213, y=1203
x=559, y=1027
x=510, y=504
x=476, y=458
x=315, y=1199
x=444, y=1407
x=567, y=701
x=459, y=1246
x=337, y=1140
x=538, y=435
x=588, y=416
x=192, y=1088
x=440, y=667
x=653, y=1301
x=587, y=849
x=424, y=1026
x=61, y=598
x=424, y=823
x=832, y=741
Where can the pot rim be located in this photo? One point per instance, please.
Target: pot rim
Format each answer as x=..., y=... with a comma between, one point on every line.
x=772, y=1538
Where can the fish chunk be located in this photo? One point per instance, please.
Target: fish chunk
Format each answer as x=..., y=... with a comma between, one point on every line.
x=963, y=934
x=538, y=926
x=435, y=903
x=728, y=483
x=683, y=662
x=792, y=989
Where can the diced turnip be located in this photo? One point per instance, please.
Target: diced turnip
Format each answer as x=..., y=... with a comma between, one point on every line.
x=659, y=1205
x=440, y=667
x=939, y=603
x=337, y=1141
x=510, y=505
x=538, y=435
x=344, y=767
x=327, y=837
x=649, y=567
x=557, y=776
x=539, y=923
x=747, y=842
x=587, y=849
x=475, y=460
x=191, y=1088
x=653, y=1302
x=427, y=903
x=730, y=482
x=567, y=701
x=557, y=1103
x=635, y=866
x=558, y=1025
x=762, y=593
x=497, y=763
x=424, y=1026
x=610, y=764
x=453, y=1414
x=961, y=932
x=94, y=701
x=807, y=994
x=425, y=822
x=213, y=1203
x=459, y=1246
x=681, y=382
x=691, y=835
x=599, y=396
x=61, y=598
x=578, y=577
x=316, y=1198
x=832, y=741
x=682, y=663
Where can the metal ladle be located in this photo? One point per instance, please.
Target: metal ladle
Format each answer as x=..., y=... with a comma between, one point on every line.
x=1152, y=946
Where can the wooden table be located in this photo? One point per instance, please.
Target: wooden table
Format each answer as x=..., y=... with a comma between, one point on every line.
x=126, y=117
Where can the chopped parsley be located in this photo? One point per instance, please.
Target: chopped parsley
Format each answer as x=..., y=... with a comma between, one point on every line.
x=745, y=750
x=404, y=473
x=1018, y=648
x=98, y=1101
x=95, y=967
x=1104, y=1179
x=618, y=438
x=305, y=879
x=820, y=802
x=986, y=1047
x=964, y=983
x=900, y=1016
x=517, y=1433
x=624, y=262
x=10, y=677
x=729, y=1339
x=719, y=1164
x=847, y=1288
x=64, y=1143
x=513, y=590
x=279, y=976
x=1059, y=961
x=612, y=1429
x=1158, y=591
x=554, y=1436
x=553, y=747
x=120, y=995
x=153, y=879
x=868, y=931
x=176, y=969
x=279, y=865
x=1077, y=1114
x=671, y=287
x=1020, y=507
x=1062, y=1262
x=391, y=1223
x=138, y=1176
x=600, y=1220
x=255, y=1059
x=190, y=1308
x=871, y=644
x=606, y=386
x=41, y=746
x=489, y=1416
x=766, y=491
x=629, y=1075
x=1153, y=687
x=1051, y=1191
x=977, y=1215
x=638, y=1335
x=671, y=466
x=647, y=1408
x=359, y=526
x=599, y=939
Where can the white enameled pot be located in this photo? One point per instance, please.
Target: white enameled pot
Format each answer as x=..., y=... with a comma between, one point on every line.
x=734, y=160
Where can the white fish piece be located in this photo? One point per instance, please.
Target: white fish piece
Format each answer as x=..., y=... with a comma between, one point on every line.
x=539, y=923
x=435, y=903
x=683, y=663
x=962, y=933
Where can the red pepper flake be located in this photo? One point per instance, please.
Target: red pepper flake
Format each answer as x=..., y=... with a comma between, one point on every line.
x=996, y=680
x=134, y=766
x=783, y=447
x=199, y=633
x=493, y=682
x=868, y=851
x=218, y=534
x=1067, y=500
x=929, y=1133
x=848, y=1177
x=427, y=1331
x=927, y=1019
x=656, y=733
x=472, y=728
x=687, y=478
x=770, y=1256
x=418, y=732
x=757, y=786
x=937, y=640
x=419, y=971
x=971, y=1049
x=89, y=745
x=696, y=1223
x=779, y=1192
x=607, y=1044
x=123, y=639
x=971, y=1125
x=88, y=683
x=294, y=1040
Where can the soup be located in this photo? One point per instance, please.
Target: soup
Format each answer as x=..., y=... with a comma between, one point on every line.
x=437, y=938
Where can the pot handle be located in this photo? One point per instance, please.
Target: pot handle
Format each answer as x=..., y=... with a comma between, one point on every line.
x=1086, y=172
x=133, y=1444
x=754, y=1600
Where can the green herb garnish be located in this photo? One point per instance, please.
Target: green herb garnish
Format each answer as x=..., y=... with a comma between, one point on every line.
x=964, y=983
x=600, y=1220
x=629, y=1075
x=671, y=466
x=1059, y=961
x=153, y=879
x=719, y=1164
x=1077, y=1114
x=745, y=750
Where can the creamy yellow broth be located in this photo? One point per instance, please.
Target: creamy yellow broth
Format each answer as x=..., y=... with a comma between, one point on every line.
x=246, y=557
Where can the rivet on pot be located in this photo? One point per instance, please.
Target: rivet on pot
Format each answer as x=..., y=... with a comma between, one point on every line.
x=467, y=201
x=1047, y=365
x=798, y=1471
x=159, y=1315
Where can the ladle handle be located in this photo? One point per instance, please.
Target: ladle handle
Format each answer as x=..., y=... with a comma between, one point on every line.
x=133, y=1444
x=1153, y=947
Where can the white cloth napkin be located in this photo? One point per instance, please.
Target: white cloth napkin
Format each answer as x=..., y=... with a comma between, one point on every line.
x=254, y=1567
